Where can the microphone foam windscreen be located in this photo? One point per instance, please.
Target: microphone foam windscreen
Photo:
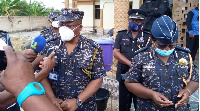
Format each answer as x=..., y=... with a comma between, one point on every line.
x=38, y=44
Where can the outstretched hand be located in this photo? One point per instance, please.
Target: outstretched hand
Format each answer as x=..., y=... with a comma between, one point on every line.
x=18, y=72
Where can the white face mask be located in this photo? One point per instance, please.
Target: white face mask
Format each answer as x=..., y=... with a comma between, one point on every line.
x=66, y=33
x=55, y=24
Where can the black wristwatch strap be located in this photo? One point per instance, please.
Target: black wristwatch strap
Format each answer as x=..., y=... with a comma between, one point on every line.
x=78, y=101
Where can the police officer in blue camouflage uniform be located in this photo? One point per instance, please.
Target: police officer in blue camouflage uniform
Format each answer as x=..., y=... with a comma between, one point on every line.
x=79, y=68
x=126, y=43
x=162, y=76
x=52, y=32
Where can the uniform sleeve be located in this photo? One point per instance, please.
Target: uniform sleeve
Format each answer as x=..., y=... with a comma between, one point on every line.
x=189, y=20
x=135, y=71
x=118, y=40
x=195, y=75
x=98, y=69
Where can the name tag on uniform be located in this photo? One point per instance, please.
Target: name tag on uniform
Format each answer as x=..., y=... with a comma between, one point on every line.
x=53, y=75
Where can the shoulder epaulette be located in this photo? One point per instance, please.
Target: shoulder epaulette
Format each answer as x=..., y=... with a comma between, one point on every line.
x=45, y=30
x=141, y=50
x=182, y=49
x=122, y=31
x=93, y=43
x=147, y=32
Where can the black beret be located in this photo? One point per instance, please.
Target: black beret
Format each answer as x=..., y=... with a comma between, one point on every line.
x=136, y=13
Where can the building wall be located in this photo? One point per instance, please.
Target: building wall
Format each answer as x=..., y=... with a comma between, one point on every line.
x=88, y=18
x=23, y=23
x=136, y=4
x=108, y=14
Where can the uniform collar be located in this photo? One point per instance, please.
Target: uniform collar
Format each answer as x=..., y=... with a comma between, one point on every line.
x=80, y=42
x=129, y=33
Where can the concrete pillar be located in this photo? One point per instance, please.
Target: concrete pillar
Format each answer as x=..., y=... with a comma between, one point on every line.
x=66, y=3
x=101, y=18
x=121, y=8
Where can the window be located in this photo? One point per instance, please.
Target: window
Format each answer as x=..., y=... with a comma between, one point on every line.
x=97, y=11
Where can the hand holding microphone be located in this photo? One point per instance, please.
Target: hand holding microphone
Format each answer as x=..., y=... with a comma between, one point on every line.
x=37, y=46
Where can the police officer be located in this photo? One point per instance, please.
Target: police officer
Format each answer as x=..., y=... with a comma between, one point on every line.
x=51, y=32
x=162, y=76
x=154, y=9
x=79, y=68
x=126, y=43
x=192, y=34
x=7, y=100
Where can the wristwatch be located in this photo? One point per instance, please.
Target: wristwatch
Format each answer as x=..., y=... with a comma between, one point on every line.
x=78, y=101
x=34, y=88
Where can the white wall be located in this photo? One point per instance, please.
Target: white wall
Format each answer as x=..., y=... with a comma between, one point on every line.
x=108, y=13
x=136, y=4
x=21, y=23
x=88, y=18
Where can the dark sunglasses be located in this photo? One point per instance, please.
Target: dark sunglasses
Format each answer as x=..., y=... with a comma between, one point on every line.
x=162, y=46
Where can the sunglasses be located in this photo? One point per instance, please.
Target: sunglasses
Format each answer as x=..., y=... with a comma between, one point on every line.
x=162, y=46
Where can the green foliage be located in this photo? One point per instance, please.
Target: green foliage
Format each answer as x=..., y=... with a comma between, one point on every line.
x=22, y=8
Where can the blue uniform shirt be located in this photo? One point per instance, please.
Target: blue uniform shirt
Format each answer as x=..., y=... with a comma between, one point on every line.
x=69, y=68
x=49, y=34
x=149, y=70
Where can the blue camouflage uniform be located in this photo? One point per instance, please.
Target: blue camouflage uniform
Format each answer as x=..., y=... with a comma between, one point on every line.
x=49, y=34
x=75, y=71
x=166, y=79
x=71, y=79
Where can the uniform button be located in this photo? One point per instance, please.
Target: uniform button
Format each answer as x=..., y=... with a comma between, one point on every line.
x=132, y=49
x=133, y=41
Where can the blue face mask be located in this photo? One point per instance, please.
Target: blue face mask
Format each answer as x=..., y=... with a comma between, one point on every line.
x=134, y=26
x=164, y=52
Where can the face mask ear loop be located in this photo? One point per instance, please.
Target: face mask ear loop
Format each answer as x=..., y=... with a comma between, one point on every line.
x=76, y=27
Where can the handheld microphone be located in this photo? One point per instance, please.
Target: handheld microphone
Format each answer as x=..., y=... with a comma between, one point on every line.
x=38, y=44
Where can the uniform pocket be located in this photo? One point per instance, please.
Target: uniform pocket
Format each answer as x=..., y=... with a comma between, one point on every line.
x=124, y=46
x=182, y=72
x=83, y=69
